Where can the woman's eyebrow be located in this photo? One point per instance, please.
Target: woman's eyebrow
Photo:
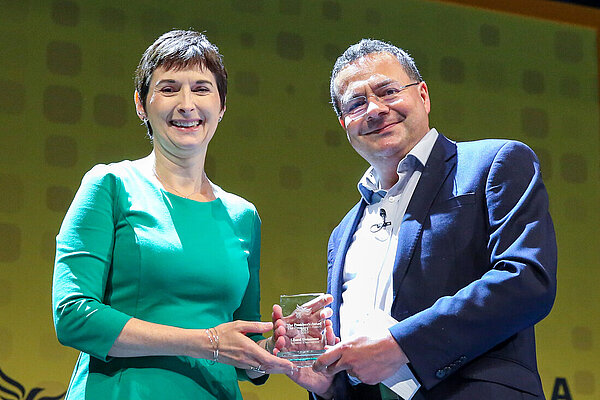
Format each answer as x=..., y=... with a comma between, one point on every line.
x=162, y=81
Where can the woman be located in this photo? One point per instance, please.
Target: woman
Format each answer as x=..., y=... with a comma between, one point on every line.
x=156, y=274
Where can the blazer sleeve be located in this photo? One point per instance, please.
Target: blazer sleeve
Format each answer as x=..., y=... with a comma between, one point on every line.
x=84, y=248
x=518, y=289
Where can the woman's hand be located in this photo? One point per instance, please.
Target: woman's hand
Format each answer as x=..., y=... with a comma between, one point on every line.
x=236, y=349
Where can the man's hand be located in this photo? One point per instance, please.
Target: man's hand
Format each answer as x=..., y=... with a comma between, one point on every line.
x=316, y=382
x=367, y=358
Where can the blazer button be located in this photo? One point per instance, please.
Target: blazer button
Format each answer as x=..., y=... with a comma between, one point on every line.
x=440, y=374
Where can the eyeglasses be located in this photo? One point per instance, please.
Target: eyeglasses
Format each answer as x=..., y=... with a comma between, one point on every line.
x=356, y=107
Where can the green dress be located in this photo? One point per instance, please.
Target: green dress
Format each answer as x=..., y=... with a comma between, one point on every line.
x=127, y=248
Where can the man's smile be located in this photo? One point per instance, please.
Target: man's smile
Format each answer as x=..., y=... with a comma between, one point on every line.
x=381, y=129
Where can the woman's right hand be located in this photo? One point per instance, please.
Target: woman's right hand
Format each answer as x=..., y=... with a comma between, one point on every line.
x=141, y=338
x=237, y=349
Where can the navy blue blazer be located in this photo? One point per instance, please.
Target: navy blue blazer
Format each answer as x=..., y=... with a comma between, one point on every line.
x=475, y=270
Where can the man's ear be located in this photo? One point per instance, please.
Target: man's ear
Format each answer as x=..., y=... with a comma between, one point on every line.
x=424, y=95
x=139, y=107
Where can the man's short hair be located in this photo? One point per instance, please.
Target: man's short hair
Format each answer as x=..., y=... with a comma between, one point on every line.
x=366, y=47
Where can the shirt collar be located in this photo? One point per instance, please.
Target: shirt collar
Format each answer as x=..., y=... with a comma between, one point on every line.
x=369, y=186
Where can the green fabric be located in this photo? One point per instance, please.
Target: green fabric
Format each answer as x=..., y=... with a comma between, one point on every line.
x=127, y=248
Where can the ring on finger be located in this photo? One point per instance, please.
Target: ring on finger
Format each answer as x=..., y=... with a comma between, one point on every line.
x=258, y=369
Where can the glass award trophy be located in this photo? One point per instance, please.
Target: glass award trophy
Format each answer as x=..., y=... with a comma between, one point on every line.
x=305, y=340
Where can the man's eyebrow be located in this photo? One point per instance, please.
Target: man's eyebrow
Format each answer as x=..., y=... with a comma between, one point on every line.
x=352, y=93
x=384, y=82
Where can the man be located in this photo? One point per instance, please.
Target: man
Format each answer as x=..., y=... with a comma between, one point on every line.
x=451, y=242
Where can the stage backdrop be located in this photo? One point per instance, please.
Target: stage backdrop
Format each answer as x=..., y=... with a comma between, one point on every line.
x=66, y=92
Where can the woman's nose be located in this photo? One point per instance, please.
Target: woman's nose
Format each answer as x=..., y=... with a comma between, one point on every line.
x=186, y=102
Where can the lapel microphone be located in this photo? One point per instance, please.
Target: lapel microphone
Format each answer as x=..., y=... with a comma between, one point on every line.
x=377, y=227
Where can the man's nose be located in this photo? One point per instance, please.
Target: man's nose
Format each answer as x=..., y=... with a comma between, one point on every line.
x=375, y=106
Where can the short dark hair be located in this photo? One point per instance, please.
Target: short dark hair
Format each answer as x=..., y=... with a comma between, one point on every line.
x=179, y=49
x=362, y=49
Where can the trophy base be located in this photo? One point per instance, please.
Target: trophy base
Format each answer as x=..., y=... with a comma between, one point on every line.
x=301, y=359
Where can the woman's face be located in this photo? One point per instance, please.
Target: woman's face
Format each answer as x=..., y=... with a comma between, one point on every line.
x=183, y=108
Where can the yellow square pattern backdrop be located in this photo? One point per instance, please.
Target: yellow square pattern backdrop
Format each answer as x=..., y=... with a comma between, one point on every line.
x=66, y=89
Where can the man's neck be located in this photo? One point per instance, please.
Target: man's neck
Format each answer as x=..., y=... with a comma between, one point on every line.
x=388, y=176
x=387, y=167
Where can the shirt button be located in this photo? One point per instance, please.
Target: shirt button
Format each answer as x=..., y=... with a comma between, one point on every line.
x=392, y=199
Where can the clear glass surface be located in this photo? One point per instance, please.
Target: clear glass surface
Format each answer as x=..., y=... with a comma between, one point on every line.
x=305, y=329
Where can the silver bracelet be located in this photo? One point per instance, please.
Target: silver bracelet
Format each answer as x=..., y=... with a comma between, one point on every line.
x=213, y=336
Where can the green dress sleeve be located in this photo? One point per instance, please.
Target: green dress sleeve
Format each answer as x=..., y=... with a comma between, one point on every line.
x=249, y=309
x=84, y=248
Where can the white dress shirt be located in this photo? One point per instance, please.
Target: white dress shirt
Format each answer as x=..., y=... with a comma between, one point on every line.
x=369, y=264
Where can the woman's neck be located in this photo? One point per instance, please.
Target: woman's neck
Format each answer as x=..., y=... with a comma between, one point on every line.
x=183, y=177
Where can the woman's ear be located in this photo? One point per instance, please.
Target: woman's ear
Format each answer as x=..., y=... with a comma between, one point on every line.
x=139, y=107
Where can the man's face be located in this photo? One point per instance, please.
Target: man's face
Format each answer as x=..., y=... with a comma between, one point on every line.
x=385, y=131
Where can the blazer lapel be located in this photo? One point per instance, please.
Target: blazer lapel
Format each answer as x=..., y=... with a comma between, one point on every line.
x=337, y=270
x=439, y=164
